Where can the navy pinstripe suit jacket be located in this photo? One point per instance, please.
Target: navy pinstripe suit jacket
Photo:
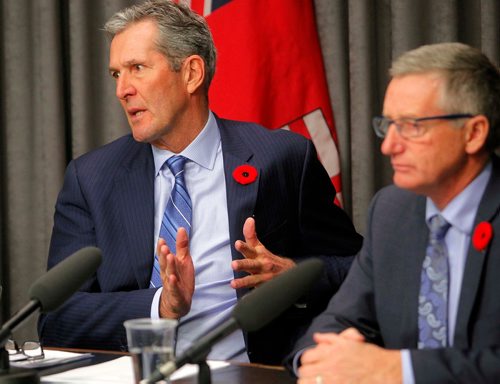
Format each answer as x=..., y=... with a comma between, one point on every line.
x=107, y=201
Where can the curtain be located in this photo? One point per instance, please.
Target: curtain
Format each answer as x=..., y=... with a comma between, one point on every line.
x=57, y=102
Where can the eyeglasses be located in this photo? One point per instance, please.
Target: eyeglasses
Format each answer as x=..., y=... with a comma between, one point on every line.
x=29, y=350
x=410, y=128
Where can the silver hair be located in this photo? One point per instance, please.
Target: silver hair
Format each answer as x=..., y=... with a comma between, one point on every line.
x=182, y=32
x=472, y=81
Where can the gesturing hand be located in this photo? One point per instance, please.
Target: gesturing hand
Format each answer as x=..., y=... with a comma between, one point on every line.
x=177, y=274
x=259, y=262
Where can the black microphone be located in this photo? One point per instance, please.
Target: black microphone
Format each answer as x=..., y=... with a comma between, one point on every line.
x=55, y=287
x=253, y=311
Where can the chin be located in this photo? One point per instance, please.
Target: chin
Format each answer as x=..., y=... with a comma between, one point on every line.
x=137, y=137
x=140, y=138
x=141, y=135
x=405, y=182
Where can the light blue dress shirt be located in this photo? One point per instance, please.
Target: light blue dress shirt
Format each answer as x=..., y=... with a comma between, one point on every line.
x=460, y=213
x=213, y=298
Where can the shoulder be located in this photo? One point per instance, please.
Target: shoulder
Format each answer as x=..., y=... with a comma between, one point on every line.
x=116, y=158
x=118, y=147
x=392, y=204
x=122, y=151
x=393, y=195
x=267, y=148
x=254, y=133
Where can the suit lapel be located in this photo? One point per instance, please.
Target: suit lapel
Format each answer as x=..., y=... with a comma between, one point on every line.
x=392, y=254
x=411, y=266
x=135, y=191
x=487, y=211
x=241, y=199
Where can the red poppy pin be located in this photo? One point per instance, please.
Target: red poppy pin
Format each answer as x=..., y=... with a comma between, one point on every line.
x=482, y=235
x=245, y=174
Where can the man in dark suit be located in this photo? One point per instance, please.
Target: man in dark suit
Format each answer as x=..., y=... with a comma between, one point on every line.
x=420, y=305
x=238, y=180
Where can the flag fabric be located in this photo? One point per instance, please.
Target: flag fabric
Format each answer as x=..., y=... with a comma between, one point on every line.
x=270, y=70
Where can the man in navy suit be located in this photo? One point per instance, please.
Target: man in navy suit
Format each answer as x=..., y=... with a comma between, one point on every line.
x=242, y=180
x=420, y=305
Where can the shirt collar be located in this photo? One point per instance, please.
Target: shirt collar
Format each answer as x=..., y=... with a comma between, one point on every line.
x=461, y=211
x=202, y=150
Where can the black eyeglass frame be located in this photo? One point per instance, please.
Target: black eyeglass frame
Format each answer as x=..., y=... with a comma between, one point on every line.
x=13, y=349
x=381, y=121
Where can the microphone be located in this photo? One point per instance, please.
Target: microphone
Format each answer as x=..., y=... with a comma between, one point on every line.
x=52, y=289
x=255, y=310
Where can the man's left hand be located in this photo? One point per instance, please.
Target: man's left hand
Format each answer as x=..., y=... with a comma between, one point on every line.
x=259, y=262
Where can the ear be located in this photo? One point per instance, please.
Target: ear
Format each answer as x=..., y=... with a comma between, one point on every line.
x=476, y=131
x=194, y=73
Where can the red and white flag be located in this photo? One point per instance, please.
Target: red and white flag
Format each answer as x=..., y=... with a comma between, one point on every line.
x=270, y=70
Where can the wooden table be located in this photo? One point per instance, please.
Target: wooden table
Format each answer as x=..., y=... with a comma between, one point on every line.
x=245, y=374
x=237, y=373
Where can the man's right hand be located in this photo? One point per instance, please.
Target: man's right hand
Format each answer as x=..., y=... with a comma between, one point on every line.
x=177, y=274
x=347, y=358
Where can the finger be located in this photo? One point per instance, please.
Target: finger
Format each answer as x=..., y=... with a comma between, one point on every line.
x=249, y=232
x=161, y=242
x=170, y=268
x=302, y=379
x=352, y=334
x=251, y=281
x=173, y=284
x=162, y=252
x=182, y=244
x=308, y=373
x=309, y=357
x=248, y=265
x=245, y=249
x=328, y=338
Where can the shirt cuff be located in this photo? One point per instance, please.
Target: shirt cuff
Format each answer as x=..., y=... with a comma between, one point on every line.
x=407, y=367
x=155, y=305
x=296, y=361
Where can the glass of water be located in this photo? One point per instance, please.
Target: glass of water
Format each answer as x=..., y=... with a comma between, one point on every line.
x=151, y=344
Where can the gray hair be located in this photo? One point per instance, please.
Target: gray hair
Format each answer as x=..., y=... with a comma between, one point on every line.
x=182, y=32
x=472, y=81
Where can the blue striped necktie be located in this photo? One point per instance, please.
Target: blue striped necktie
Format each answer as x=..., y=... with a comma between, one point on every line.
x=433, y=298
x=178, y=213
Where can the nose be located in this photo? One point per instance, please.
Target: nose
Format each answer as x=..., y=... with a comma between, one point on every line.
x=392, y=142
x=124, y=87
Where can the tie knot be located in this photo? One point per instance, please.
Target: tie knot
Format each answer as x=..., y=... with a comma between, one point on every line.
x=176, y=164
x=438, y=226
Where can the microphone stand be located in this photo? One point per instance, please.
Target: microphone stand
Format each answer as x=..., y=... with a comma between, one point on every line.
x=204, y=375
x=15, y=375
x=17, y=319
x=196, y=354
x=47, y=292
x=4, y=360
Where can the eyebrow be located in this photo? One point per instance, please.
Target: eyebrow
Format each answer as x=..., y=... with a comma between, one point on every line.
x=127, y=63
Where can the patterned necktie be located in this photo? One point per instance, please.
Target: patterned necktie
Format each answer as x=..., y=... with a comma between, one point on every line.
x=433, y=298
x=177, y=214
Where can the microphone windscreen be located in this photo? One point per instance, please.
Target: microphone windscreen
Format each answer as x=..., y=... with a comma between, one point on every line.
x=65, y=278
x=268, y=301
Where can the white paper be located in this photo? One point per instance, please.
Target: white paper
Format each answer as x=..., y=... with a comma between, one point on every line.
x=119, y=370
x=51, y=358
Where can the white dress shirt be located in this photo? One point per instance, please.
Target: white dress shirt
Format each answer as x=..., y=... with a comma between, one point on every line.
x=213, y=298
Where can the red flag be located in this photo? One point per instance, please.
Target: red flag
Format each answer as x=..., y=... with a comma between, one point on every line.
x=270, y=70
